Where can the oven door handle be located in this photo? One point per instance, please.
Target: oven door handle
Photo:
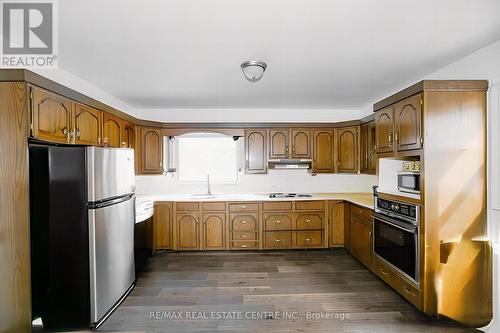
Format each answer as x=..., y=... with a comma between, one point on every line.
x=394, y=223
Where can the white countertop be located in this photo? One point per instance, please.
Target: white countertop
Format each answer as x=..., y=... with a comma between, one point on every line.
x=361, y=199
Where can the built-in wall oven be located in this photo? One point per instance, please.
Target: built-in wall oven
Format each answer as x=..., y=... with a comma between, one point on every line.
x=396, y=236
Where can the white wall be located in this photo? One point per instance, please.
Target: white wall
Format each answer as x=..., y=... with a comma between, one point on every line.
x=248, y=115
x=297, y=181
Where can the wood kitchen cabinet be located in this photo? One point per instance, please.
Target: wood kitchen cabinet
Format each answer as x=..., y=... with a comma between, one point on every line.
x=301, y=143
x=277, y=240
x=323, y=143
x=279, y=141
x=336, y=223
x=88, y=125
x=384, y=129
x=112, y=130
x=52, y=116
x=368, y=159
x=361, y=235
x=407, y=123
x=256, y=151
x=151, y=150
x=128, y=135
x=213, y=231
x=187, y=231
x=162, y=226
x=347, y=149
x=398, y=126
x=290, y=143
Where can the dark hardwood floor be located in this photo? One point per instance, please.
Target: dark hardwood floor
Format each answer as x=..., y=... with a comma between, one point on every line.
x=271, y=285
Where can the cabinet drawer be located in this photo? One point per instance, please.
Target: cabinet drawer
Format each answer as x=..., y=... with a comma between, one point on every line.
x=274, y=206
x=244, y=235
x=383, y=272
x=362, y=212
x=277, y=239
x=214, y=206
x=243, y=207
x=187, y=206
x=309, y=238
x=277, y=222
x=310, y=205
x=244, y=245
x=409, y=292
x=310, y=221
x=244, y=222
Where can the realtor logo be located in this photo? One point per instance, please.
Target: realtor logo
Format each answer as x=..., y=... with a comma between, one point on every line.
x=28, y=34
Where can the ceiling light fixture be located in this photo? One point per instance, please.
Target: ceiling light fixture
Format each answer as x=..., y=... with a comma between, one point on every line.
x=253, y=69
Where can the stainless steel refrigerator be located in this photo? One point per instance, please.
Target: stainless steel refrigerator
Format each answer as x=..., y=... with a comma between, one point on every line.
x=82, y=215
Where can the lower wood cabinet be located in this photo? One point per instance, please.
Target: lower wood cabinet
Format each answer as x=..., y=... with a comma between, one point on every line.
x=162, y=226
x=361, y=236
x=213, y=231
x=336, y=223
x=188, y=235
x=278, y=239
x=244, y=226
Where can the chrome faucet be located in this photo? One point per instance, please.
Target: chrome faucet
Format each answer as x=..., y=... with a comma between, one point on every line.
x=209, y=191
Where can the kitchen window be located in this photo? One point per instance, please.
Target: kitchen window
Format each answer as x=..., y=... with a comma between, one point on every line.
x=200, y=154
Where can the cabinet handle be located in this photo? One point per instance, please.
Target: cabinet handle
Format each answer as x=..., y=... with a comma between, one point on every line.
x=244, y=245
x=65, y=131
x=277, y=240
x=383, y=272
x=99, y=141
x=287, y=149
x=244, y=236
x=105, y=140
x=396, y=137
x=205, y=221
x=278, y=221
x=78, y=133
x=243, y=206
x=390, y=138
x=307, y=239
x=307, y=221
x=243, y=222
x=406, y=290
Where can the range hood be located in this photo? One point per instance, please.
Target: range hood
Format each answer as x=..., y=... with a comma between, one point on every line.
x=290, y=163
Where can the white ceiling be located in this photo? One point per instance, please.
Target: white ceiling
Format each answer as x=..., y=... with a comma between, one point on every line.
x=328, y=54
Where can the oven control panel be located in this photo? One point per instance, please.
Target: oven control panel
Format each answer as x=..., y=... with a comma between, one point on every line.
x=398, y=208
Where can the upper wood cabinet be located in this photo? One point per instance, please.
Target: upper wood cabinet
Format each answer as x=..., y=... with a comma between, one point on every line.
x=187, y=231
x=112, y=130
x=368, y=159
x=323, y=143
x=88, y=125
x=347, y=149
x=256, y=151
x=301, y=143
x=407, y=123
x=384, y=129
x=51, y=116
x=279, y=143
x=213, y=231
x=398, y=126
x=162, y=226
x=151, y=150
x=128, y=135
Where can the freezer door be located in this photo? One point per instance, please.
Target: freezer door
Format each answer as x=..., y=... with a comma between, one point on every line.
x=110, y=173
x=111, y=243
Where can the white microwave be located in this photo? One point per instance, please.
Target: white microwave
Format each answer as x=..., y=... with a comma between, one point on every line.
x=409, y=181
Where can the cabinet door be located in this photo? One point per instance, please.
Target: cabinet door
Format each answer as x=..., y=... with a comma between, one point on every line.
x=323, y=151
x=336, y=223
x=187, y=231
x=277, y=239
x=278, y=143
x=347, y=149
x=363, y=148
x=407, y=123
x=88, y=125
x=301, y=143
x=214, y=231
x=256, y=151
x=162, y=225
x=151, y=150
x=128, y=135
x=111, y=131
x=372, y=157
x=384, y=129
x=309, y=221
x=52, y=116
x=361, y=243
x=277, y=221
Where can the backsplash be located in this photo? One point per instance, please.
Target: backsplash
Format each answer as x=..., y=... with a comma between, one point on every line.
x=298, y=181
